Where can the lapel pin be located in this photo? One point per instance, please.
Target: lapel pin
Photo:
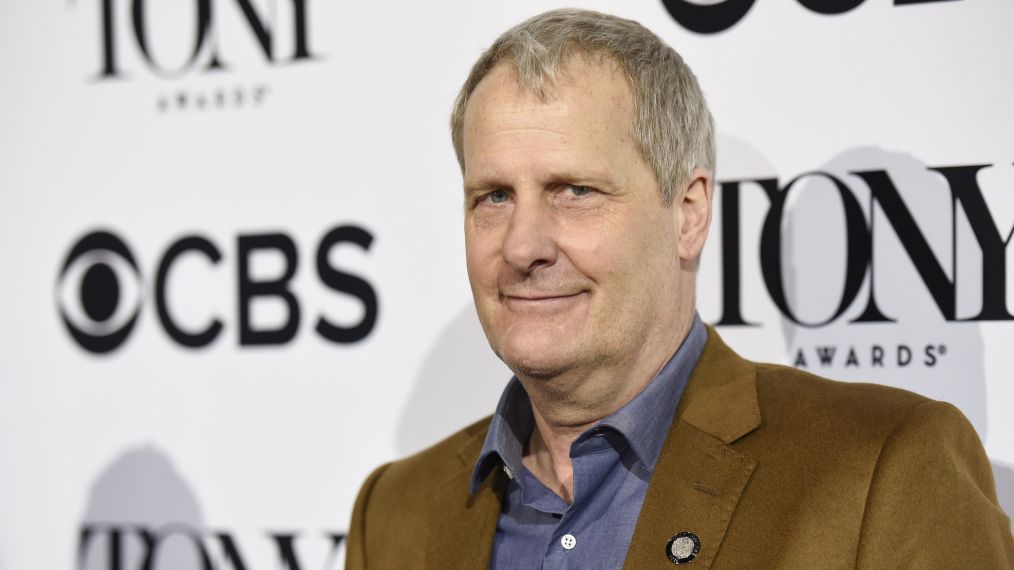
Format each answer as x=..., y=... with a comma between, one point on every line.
x=683, y=547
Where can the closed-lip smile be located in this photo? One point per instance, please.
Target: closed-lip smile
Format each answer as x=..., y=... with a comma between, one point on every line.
x=538, y=297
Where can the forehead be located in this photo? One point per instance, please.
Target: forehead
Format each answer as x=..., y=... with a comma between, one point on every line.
x=585, y=116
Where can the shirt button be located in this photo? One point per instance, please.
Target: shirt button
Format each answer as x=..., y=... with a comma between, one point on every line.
x=568, y=541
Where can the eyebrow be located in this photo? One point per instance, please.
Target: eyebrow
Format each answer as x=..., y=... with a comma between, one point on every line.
x=593, y=179
x=475, y=185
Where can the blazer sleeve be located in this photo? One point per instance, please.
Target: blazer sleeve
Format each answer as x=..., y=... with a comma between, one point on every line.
x=932, y=500
x=355, y=542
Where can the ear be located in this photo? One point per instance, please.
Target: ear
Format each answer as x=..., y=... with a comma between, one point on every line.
x=693, y=214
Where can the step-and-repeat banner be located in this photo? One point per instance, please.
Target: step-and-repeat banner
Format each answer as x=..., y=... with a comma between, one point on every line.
x=232, y=263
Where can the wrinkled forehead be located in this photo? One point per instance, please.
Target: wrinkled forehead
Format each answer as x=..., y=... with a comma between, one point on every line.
x=586, y=111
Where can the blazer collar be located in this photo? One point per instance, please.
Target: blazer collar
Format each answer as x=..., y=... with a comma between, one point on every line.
x=699, y=478
x=461, y=536
x=721, y=397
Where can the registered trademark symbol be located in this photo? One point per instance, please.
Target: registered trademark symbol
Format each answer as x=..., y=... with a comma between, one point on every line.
x=941, y=350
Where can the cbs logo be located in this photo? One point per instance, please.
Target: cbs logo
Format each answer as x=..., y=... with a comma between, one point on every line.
x=99, y=290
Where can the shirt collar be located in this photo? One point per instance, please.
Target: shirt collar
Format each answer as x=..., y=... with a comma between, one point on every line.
x=644, y=421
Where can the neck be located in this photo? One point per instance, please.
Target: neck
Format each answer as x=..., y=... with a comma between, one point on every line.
x=568, y=404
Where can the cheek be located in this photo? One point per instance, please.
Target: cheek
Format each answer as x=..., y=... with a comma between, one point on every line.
x=601, y=247
x=482, y=254
x=625, y=257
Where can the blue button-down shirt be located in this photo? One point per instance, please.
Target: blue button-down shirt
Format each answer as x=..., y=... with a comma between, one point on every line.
x=612, y=461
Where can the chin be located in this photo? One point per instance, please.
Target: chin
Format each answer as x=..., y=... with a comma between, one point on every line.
x=536, y=359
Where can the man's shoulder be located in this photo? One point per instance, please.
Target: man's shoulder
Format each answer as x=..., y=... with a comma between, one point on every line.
x=449, y=458
x=790, y=403
x=856, y=414
x=401, y=501
x=777, y=384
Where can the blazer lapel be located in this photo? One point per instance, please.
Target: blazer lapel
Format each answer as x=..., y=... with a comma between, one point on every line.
x=465, y=540
x=699, y=478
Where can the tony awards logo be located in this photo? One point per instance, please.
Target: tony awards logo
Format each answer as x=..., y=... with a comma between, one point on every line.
x=175, y=41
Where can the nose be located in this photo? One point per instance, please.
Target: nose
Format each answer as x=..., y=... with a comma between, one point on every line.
x=530, y=242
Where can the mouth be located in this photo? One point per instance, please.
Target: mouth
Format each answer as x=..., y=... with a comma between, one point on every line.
x=534, y=300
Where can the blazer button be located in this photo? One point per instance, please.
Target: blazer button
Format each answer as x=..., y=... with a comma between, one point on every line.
x=683, y=547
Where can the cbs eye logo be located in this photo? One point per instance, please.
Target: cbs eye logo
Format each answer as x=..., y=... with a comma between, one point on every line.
x=98, y=292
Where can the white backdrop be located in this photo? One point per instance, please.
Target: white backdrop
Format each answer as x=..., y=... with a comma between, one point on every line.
x=296, y=117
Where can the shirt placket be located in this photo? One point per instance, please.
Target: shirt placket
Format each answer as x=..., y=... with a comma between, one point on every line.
x=593, y=457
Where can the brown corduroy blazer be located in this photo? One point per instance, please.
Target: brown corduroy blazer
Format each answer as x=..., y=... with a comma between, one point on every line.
x=769, y=466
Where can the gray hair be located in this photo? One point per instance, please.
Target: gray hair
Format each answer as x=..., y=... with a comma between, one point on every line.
x=672, y=125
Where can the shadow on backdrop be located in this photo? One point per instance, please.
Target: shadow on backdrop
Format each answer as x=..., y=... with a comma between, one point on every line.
x=921, y=351
x=1005, y=488
x=460, y=381
x=141, y=488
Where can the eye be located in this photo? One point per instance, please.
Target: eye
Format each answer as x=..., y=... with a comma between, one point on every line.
x=497, y=196
x=578, y=190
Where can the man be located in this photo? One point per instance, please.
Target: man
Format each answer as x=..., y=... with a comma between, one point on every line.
x=631, y=436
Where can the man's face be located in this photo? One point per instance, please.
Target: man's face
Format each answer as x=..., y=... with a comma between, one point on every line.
x=572, y=258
